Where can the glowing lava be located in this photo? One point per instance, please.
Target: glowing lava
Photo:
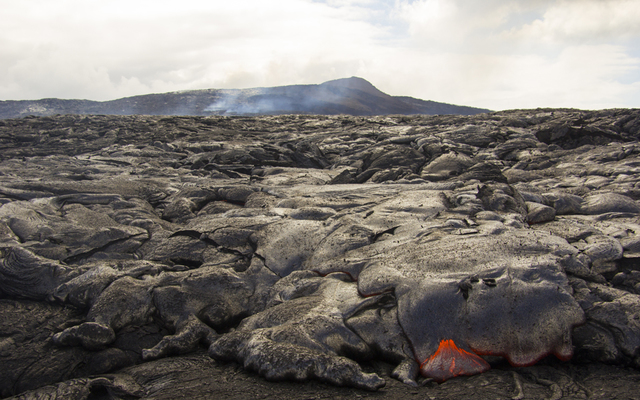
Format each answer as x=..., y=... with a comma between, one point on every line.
x=450, y=361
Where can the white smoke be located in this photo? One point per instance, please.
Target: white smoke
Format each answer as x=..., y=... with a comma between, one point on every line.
x=291, y=99
x=226, y=104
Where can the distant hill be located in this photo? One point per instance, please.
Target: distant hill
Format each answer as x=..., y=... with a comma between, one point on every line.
x=352, y=96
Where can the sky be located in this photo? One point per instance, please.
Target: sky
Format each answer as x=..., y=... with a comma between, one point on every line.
x=496, y=54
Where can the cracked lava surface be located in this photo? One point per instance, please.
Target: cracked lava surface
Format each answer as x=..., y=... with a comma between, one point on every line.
x=301, y=248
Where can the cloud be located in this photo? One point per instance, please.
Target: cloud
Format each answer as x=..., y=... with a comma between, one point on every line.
x=580, y=76
x=495, y=53
x=128, y=46
x=585, y=21
x=463, y=25
x=502, y=54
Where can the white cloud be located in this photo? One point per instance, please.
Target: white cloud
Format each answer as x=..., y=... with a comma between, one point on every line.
x=495, y=53
x=463, y=25
x=169, y=47
x=580, y=76
x=503, y=54
x=585, y=20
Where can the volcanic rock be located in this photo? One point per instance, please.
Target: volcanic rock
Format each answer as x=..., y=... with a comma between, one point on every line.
x=482, y=256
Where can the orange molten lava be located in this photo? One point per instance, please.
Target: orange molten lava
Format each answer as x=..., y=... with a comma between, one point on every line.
x=450, y=361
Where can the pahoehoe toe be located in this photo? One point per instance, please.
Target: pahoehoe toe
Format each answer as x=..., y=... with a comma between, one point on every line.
x=187, y=339
x=90, y=335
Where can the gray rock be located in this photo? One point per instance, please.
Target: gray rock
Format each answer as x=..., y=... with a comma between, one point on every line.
x=609, y=202
x=538, y=213
x=596, y=343
x=601, y=250
x=563, y=203
x=326, y=248
x=631, y=246
x=489, y=216
x=569, y=229
x=620, y=317
x=446, y=166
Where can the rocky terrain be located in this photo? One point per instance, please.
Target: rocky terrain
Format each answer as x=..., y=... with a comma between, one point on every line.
x=292, y=256
x=352, y=96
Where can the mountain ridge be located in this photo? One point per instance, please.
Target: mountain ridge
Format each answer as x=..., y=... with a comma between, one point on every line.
x=351, y=96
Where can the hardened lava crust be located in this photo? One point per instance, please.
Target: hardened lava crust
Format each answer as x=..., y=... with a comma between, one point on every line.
x=294, y=256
